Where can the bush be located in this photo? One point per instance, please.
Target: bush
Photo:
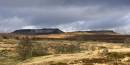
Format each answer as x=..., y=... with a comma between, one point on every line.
x=27, y=48
x=3, y=53
x=39, y=50
x=58, y=48
x=127, y=40
x=24, y=48
x=115, y=56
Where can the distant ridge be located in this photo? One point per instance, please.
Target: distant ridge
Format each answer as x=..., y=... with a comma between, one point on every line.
x=57, y=34
x=100, y=32
x=38, y=31
x=57, y=31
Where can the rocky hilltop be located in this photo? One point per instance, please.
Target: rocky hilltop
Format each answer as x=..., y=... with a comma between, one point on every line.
x=38, y=31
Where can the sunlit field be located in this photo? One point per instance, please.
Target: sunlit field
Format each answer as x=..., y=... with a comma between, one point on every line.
x=27, y=51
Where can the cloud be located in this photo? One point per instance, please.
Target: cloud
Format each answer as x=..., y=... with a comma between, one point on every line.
x=124, y=29
x=10, y=24
x=68, y=15
x=53, y=3
x=29, y=27
x=115, y=24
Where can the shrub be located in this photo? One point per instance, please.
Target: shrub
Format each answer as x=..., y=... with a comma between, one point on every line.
x=3, y=53
x=127, y=40
x=115, y=56
x=24, y=48
x=39, y=50
x=27, y=48
x=57, y=48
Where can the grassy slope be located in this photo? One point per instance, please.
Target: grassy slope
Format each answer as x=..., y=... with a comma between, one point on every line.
x=88, y=56
x=9, y=44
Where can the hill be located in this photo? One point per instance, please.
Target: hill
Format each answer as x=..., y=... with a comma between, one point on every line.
x=40, y=34
x=38, y=31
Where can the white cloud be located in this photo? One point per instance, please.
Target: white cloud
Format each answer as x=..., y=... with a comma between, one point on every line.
x=30, y=27
x=10, y=24
x=126, y=28
x=120, y=25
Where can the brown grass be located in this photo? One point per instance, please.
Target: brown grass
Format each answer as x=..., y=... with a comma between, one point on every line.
x=67, y=49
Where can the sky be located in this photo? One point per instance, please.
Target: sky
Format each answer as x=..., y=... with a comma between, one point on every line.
x=67, y=15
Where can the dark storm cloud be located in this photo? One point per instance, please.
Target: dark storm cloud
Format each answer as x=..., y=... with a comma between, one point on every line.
x=65, y=14
x=25, y=3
